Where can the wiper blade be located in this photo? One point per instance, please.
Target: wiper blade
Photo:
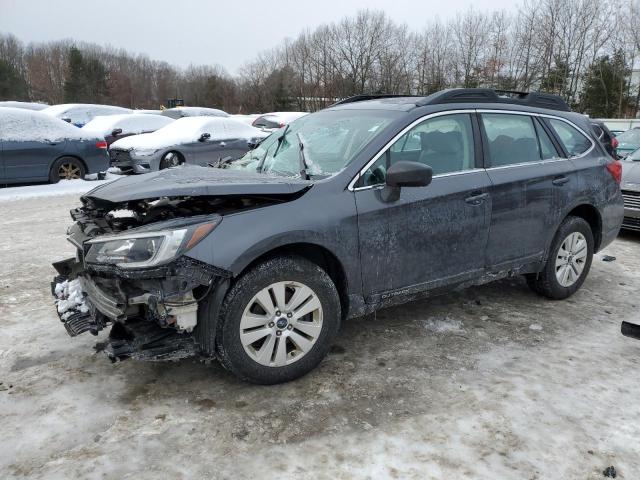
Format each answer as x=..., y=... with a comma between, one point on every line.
x=264, y=157
x=303, y=161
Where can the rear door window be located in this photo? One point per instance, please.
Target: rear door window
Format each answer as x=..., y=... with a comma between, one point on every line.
x=573, y=141
x=512, y=139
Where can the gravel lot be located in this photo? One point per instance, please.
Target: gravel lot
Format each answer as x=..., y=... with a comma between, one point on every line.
x=488, y=383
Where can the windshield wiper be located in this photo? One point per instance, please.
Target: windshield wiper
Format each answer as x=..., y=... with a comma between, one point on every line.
x=303, y=161
x=266, y=151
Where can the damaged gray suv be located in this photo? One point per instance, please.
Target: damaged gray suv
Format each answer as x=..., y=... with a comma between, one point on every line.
x=375, y=201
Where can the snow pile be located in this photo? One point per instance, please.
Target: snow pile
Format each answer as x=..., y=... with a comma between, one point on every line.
x=443, y=325
x=187, y=130
x=130, y=123
x=25, y=105
x=70, y=298
x=63, y=187
x=20, y=125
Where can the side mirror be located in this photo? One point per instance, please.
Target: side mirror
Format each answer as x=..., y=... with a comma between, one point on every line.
x=116, y=131
x=66, y=119
x=204, y=137
x=405, y=174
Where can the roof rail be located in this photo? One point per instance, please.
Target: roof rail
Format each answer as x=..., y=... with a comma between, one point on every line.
x=487, y=95
x=371, y=96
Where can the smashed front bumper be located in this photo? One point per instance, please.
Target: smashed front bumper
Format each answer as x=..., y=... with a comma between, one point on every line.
x=153, y=311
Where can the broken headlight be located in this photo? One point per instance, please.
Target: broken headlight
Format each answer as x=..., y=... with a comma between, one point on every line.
x=146, y=249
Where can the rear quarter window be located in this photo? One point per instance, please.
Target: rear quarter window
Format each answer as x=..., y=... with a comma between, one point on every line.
x=575, y=142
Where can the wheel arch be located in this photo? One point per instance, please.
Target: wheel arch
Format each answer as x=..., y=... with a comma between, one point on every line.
x=592, y=216
x=315, y=253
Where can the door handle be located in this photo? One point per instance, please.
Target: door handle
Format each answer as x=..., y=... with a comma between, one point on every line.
x=476, y=198
x=559, y=181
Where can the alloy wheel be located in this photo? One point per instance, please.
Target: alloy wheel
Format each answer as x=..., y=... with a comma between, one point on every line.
x=69, y=171
x=281, y=323
x=571, y=259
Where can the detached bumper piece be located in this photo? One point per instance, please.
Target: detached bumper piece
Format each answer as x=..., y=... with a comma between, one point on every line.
x=630, y=330
x=143, y=340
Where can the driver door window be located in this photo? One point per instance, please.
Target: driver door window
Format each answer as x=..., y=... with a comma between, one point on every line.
x=445, y=143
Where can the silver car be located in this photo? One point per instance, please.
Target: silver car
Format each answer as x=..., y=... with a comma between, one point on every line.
x=631, y=190
x=191, y=140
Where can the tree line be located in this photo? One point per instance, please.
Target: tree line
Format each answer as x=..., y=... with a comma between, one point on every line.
x=583, y=50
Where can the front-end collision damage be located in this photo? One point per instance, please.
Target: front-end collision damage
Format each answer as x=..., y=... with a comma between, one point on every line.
x=153, y=311
x=131, y=271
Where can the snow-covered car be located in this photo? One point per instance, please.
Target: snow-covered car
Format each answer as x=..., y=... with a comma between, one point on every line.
x=80, y=114
x=191, y=140
x=180, y=112
x=246, y=119
x=26, y=105
x=35, y=147
x=115, y=127
x=270, y=122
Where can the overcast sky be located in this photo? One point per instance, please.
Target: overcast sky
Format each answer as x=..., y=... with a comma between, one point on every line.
x=181, y=32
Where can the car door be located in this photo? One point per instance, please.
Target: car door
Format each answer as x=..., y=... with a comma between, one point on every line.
x=528, y=178
x=430, y=236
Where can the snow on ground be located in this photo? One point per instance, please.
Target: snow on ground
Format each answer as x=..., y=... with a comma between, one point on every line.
x=63, y=187
x=394, y=399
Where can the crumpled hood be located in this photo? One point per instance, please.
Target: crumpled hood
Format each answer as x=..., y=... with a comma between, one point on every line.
x=630, y=175
x=195, y=181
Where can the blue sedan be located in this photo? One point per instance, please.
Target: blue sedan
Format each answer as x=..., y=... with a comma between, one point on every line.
x=35, y=147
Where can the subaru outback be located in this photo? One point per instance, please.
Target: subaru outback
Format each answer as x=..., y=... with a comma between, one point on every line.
x=372, y=202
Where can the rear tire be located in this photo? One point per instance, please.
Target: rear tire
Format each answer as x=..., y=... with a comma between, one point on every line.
x=568, y=263
x=288, y=342
x=66, y=168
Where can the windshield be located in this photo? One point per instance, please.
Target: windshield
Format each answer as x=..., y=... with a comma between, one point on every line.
x=331, y=141
x=630, y=136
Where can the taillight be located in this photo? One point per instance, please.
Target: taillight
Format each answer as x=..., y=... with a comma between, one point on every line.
x=102, y=145
x=614, y=142
x=615, y=169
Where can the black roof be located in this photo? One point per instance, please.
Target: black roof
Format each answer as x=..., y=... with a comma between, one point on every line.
x=466, y=95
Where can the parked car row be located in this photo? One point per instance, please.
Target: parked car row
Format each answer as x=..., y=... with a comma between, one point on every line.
x=68, y=141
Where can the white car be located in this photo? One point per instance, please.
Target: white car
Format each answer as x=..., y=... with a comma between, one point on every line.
x=179, y=112
x=115, y=127
x=275, y=120
x=246, y=119
x=80, y=114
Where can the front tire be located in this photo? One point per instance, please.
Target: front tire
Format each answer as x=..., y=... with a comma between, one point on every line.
x=66, y=168
x=569, y=261
x=171, y=159
x=278, y=321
